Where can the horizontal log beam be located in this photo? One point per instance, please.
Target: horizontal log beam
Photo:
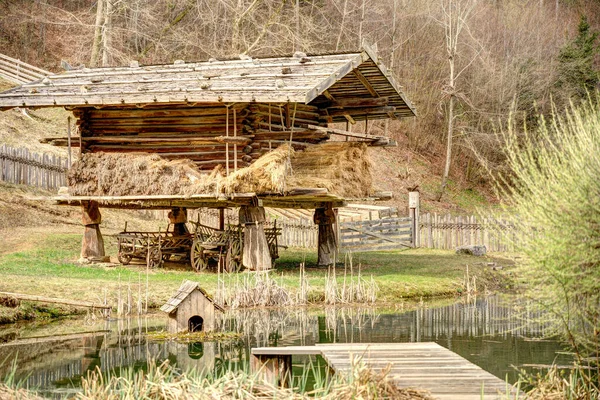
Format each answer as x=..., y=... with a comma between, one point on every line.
x=359, y=112
x=241, y=140
x=356, y=135
x=358, y=103
x=43, y=299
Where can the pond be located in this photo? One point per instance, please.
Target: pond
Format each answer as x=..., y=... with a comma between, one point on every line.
x=486, y=331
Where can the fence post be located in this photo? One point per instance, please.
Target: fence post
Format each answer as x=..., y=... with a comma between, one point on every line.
x=413, y=206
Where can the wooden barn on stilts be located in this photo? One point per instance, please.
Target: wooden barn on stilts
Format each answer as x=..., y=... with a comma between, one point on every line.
x=224, y=119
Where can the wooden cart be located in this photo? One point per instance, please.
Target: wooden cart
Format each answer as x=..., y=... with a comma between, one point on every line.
x=153, y=247
x=205, y=246
x=226, y=246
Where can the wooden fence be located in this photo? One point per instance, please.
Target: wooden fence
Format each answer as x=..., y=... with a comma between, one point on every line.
x=19, y=72
x=449, y=232
x=20, y=166
x=377, y=234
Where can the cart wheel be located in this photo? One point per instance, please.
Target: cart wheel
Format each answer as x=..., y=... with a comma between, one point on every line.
x=233, y=260
x=198, y=259
x=154, y=257
x=123, y=258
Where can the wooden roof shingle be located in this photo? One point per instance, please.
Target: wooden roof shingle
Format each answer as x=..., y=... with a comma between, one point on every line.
x=186, y=288
x=296, y=79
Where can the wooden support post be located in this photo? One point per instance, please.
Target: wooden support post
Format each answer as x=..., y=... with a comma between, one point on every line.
x=69, y=138
x=256, y=255
x=328, y=244
x=178, y=217
x=221, y=219
x=275, y=369
x=413, y=207
x=92, y=245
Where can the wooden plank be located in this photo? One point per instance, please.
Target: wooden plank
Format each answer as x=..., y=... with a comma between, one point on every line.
x=423, y=365
x=347, y=134
x=42, y=299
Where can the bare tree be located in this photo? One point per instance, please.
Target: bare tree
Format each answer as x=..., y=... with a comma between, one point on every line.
x=97, y=42
x=454, y=20
x=106, y=32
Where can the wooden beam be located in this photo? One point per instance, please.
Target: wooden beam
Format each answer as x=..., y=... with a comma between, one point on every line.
x=341, y=132
x=359, y=102
x=348, y=117
x=365, y=82
x=42, y=299
x=360, y=112
x=241, y=140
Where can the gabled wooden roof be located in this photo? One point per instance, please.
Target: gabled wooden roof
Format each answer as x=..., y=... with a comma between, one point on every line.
x=186, y=288
x=296, y=79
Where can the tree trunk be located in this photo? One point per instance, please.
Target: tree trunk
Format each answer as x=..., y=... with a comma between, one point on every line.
x=92, y=245
x=97, y=34
x=327, y=241
x=448, y=147
x=106, y=33
x=256, y=254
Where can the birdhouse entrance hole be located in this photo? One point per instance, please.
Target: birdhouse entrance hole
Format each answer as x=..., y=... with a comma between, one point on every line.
x=195, y=324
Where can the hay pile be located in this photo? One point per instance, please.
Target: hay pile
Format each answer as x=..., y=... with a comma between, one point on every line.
x=342, y=168
x=113, y=174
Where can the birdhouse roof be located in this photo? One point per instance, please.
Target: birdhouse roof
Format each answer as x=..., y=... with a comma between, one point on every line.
x=186, y=288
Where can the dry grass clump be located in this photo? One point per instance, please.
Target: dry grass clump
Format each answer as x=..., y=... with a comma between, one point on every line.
x=558, y=384
x=165, y=383
x=9, y=393
x=366, y=383
x=255, y=290
x=342, y=168
x=9, y=301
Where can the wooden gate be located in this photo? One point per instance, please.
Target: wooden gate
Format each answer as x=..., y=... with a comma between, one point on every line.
x=377, y=234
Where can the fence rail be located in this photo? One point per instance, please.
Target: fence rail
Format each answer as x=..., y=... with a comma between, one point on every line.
x=20, y=166
x=449, y=232
x=379, y=234
x=20, y=72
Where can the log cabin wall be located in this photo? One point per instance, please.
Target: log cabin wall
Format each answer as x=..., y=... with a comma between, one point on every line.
x=204, y=134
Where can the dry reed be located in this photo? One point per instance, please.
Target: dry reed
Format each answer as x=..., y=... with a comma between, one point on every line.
x=354, y=288
x=253, y=290
x=165, y=383
x=7, y=392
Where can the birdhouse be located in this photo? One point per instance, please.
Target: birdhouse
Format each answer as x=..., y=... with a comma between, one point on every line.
x=191, y=309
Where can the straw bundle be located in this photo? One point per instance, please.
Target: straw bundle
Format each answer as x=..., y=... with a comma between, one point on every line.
x=110, y=174
x=341, y=167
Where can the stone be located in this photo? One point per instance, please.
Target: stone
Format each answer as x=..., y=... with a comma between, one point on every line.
x=472, y=250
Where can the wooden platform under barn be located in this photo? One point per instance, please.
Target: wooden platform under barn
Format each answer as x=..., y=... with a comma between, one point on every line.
x=430, y=366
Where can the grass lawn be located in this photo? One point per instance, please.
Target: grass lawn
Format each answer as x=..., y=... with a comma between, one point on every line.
x=48, y=268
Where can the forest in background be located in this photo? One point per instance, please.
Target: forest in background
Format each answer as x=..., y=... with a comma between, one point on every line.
x=465, y=64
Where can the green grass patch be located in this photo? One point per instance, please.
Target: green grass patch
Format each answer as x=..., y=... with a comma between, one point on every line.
x=50, y=270
x=192, y=337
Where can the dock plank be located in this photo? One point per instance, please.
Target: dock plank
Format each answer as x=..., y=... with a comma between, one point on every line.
x=423, y=365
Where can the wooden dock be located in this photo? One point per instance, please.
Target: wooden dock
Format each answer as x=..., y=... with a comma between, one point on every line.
x=430, y=366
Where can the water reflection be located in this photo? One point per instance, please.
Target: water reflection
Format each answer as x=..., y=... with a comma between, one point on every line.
x=485, y=331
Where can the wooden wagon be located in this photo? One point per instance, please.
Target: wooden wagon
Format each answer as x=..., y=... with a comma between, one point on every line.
x=154, y=247
x=226, y=246
x=200, y=248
